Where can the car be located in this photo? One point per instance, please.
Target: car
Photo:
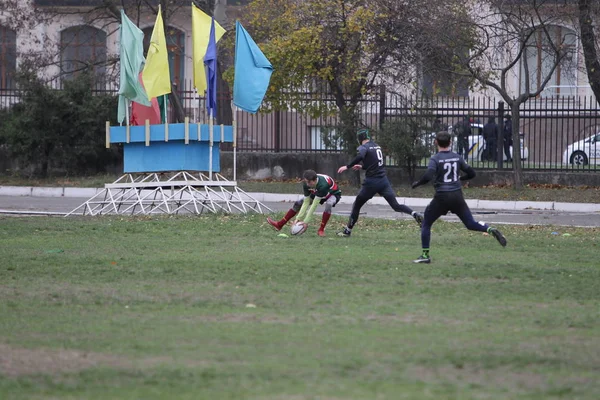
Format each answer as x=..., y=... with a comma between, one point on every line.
x=477, y=144
x=583, y=152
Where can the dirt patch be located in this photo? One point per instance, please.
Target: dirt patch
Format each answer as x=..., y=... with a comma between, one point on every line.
x=503, y=377
x=267, y=319
x=15, y=362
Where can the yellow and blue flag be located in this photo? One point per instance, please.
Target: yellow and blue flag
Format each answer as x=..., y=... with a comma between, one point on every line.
x=201, y=24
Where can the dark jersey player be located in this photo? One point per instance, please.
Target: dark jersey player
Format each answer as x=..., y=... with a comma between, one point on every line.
x=445, y=169
x=370, y=158
x=315, y=186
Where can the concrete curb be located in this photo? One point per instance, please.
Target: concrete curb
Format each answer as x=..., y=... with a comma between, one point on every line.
x=475, y=204
x=277, y=197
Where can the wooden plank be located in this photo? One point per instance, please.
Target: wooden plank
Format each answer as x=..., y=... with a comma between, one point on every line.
x=169, y=184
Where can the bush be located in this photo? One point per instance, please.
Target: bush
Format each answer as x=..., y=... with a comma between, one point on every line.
x=407, y=141
x=59, y=130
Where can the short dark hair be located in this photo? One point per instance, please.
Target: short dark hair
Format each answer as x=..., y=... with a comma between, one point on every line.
x=309, y=175
x=363, y=134
x=442, y=138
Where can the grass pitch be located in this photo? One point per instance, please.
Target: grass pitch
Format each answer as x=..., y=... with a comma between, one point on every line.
x=221, y=307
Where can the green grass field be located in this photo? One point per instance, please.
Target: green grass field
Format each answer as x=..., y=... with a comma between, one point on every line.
x=221, y=307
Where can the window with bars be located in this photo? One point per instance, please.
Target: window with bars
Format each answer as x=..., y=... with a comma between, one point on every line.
x=83, y=48
x=8, y=57
x=540, y=58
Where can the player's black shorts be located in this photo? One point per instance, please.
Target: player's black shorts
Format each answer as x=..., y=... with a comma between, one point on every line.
x=376, y=185
x=338, y=197
x=447, y=201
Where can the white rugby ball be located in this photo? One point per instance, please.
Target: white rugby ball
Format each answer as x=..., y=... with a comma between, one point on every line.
x=299, y=228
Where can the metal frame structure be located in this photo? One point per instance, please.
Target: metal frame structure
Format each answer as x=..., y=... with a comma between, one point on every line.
x=170, y=193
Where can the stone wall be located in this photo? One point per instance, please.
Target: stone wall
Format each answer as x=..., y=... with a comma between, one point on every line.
x=252, y=166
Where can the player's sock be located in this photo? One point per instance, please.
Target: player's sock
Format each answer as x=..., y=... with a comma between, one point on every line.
x=423, y=258
x=324, y=220
x=418, y=217
x=289, y=215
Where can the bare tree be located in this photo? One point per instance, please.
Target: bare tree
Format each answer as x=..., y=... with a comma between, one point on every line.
x=516, y=41
x=345, y=48
x=589, y=17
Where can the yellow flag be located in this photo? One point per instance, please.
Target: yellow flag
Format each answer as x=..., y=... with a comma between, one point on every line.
x=156, y=75
x=200, y=35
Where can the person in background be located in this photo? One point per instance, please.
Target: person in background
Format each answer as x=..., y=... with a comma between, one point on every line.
x=491, y=132
x=438, y=125
x=507, y=137
x=461, y=131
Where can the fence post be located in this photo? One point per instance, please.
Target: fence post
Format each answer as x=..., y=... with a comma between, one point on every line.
x=277, y=131
x=500, y=140
x=381, y=106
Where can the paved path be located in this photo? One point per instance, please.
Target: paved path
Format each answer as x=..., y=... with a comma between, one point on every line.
x=377, y=208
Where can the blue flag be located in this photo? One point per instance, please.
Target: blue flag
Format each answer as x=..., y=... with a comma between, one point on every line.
x=210, y=66
x=252, y=72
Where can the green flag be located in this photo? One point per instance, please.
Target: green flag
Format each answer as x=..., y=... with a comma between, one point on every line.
x=132, y=62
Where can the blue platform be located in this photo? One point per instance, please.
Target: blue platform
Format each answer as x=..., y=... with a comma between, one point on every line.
x=172, y=155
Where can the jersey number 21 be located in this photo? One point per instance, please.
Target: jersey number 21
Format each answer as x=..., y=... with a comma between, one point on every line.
x=451, y=174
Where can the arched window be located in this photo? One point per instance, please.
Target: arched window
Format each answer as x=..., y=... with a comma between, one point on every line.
x=540, y=59
x=8, y=57
x=176, y=47
x=81, y=48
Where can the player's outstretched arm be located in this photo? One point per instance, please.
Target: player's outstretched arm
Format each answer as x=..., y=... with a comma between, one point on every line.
x=311, y=209
x=426, y=177
x=303, y=209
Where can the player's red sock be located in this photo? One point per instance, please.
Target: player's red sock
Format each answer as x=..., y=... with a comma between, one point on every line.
x=324, y=221
x=289, y=215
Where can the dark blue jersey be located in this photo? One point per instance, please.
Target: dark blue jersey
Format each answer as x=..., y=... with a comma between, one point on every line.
x=445, y=167
x=371, y=157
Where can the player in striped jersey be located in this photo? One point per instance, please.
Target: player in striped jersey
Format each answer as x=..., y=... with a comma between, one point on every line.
x=315, y=186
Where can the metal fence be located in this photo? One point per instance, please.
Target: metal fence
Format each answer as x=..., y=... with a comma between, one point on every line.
x=558, y=132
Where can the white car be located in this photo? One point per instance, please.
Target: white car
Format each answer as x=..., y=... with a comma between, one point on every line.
x=583, y=152
x=477, y=144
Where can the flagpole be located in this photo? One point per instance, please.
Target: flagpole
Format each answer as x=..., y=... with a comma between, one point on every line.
x=202, y=110
x=197, y=108
x=127, y=104
x=210, y=146
x=165, y=107
x=205, y=113
x=233, y=108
